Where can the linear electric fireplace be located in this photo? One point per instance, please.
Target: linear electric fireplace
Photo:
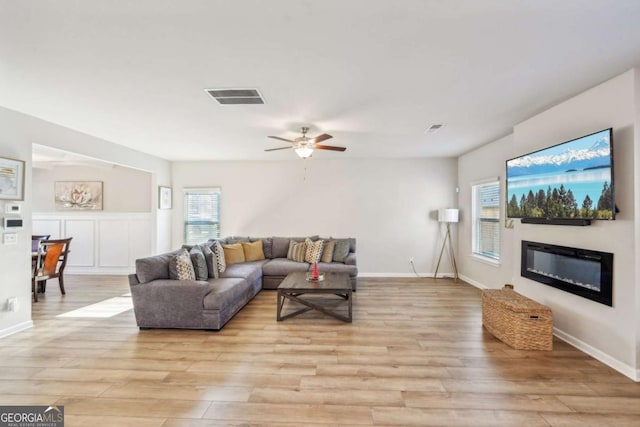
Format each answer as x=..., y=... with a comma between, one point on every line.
x=586, y=273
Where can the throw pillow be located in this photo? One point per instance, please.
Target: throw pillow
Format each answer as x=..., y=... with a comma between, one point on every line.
x=180, y=267
x=267, y=246
x=199, y=263
x=212, y=263
x=341, y=250
x=279, y=247
x=313, y=251
x=216, y=247
x=253, y=251
x=327, y=251
x=296, y=251
x=233, y=254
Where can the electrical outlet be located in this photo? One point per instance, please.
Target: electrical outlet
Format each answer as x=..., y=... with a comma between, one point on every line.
x=12, y=304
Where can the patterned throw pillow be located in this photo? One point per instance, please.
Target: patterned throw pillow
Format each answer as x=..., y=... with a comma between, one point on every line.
x=180, y=267
x=216, y=247
x=199, y=263
x=313, y=251
x=212, y=263
x=327, y=251
x=296, y=251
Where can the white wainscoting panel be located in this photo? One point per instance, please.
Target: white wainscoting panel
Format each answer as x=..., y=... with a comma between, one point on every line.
x=103, y=243
x=52, y=227
x=113, y=248
x=83, y=243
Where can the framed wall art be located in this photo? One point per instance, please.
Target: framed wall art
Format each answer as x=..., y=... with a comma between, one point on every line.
x=78, y=195
x=165, y=198
x=11, y=179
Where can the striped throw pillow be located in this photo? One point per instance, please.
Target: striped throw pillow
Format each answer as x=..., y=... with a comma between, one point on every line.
x=296, y=251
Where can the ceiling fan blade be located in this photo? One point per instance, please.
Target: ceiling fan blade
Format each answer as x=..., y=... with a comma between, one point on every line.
x=321, y=138
x=329, y=147
x=281, y=148
x=281, y=139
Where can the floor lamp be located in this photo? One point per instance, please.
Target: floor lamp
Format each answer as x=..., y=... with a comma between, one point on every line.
x=448, y=216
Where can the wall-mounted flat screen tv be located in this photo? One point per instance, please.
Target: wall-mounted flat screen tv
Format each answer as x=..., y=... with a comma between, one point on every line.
x=569, y=180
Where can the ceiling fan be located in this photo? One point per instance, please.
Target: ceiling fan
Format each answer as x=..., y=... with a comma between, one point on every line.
x=304, y=146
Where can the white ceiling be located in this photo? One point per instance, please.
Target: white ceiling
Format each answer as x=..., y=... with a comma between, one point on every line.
x=374, y=74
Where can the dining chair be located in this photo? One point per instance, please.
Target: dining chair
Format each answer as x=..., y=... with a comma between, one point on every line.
x=36, y=239
x=55, y=253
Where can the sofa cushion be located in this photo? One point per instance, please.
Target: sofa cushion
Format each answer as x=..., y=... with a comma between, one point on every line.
x=212, y=263
x=233, y=253
x=237, y=239
x=225, y=292
x=336, y=267
x=341, y=250
x=280, y=247
x=313, y=250
x=154, y=267
x=267, y=245
x=296, y=251
x=327, y=251
x=180, y=266
x=282, y=267
x=245, y=270
x=253, y=251
x=199, y=263
x=216, y=247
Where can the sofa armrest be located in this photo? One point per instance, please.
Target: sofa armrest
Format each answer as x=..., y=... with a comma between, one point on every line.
x=164, y=301
x=350, y=259
x=133, y=279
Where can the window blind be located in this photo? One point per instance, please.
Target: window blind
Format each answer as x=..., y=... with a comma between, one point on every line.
x=486, y=222
x=201, y=215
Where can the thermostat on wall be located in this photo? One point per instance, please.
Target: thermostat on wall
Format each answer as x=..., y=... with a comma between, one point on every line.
x=12, y=223
x=12, y=208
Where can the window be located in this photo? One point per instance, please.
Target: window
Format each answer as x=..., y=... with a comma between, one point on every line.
x=486, y=220
x=201, y=214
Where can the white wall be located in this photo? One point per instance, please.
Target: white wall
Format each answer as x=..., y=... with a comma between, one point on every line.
x=602, y=331
x=17, y=134
x=385, y=204
x=486, y=162
x=124, y=189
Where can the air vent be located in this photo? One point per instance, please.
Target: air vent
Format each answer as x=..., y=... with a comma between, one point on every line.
x=434, y=128
x=236, y=96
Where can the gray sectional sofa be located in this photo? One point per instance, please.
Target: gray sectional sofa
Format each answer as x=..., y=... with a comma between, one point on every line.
x=160, y=302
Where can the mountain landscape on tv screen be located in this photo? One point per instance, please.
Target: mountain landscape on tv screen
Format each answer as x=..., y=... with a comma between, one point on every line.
x=594, y=157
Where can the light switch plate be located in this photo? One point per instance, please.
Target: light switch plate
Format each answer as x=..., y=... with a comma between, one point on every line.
x=10, y=238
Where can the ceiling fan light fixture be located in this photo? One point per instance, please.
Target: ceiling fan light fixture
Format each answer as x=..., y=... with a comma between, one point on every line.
x=304, y=151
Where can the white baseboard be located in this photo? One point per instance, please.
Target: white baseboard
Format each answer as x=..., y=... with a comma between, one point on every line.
x=473, y=282
x=103, y=271
x=603, y=357
x=420, y=275
x=16, y=328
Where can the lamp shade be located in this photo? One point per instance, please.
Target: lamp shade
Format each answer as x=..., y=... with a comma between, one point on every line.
x=448, y=215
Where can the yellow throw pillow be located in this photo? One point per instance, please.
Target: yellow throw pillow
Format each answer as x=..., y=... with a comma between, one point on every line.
x=233, y=254
x=253, y=251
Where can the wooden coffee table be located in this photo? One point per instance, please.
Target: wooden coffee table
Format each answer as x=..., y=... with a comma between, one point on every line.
x=296, y=285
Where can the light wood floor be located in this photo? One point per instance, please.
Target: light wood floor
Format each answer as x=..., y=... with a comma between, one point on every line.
x=415, y=354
